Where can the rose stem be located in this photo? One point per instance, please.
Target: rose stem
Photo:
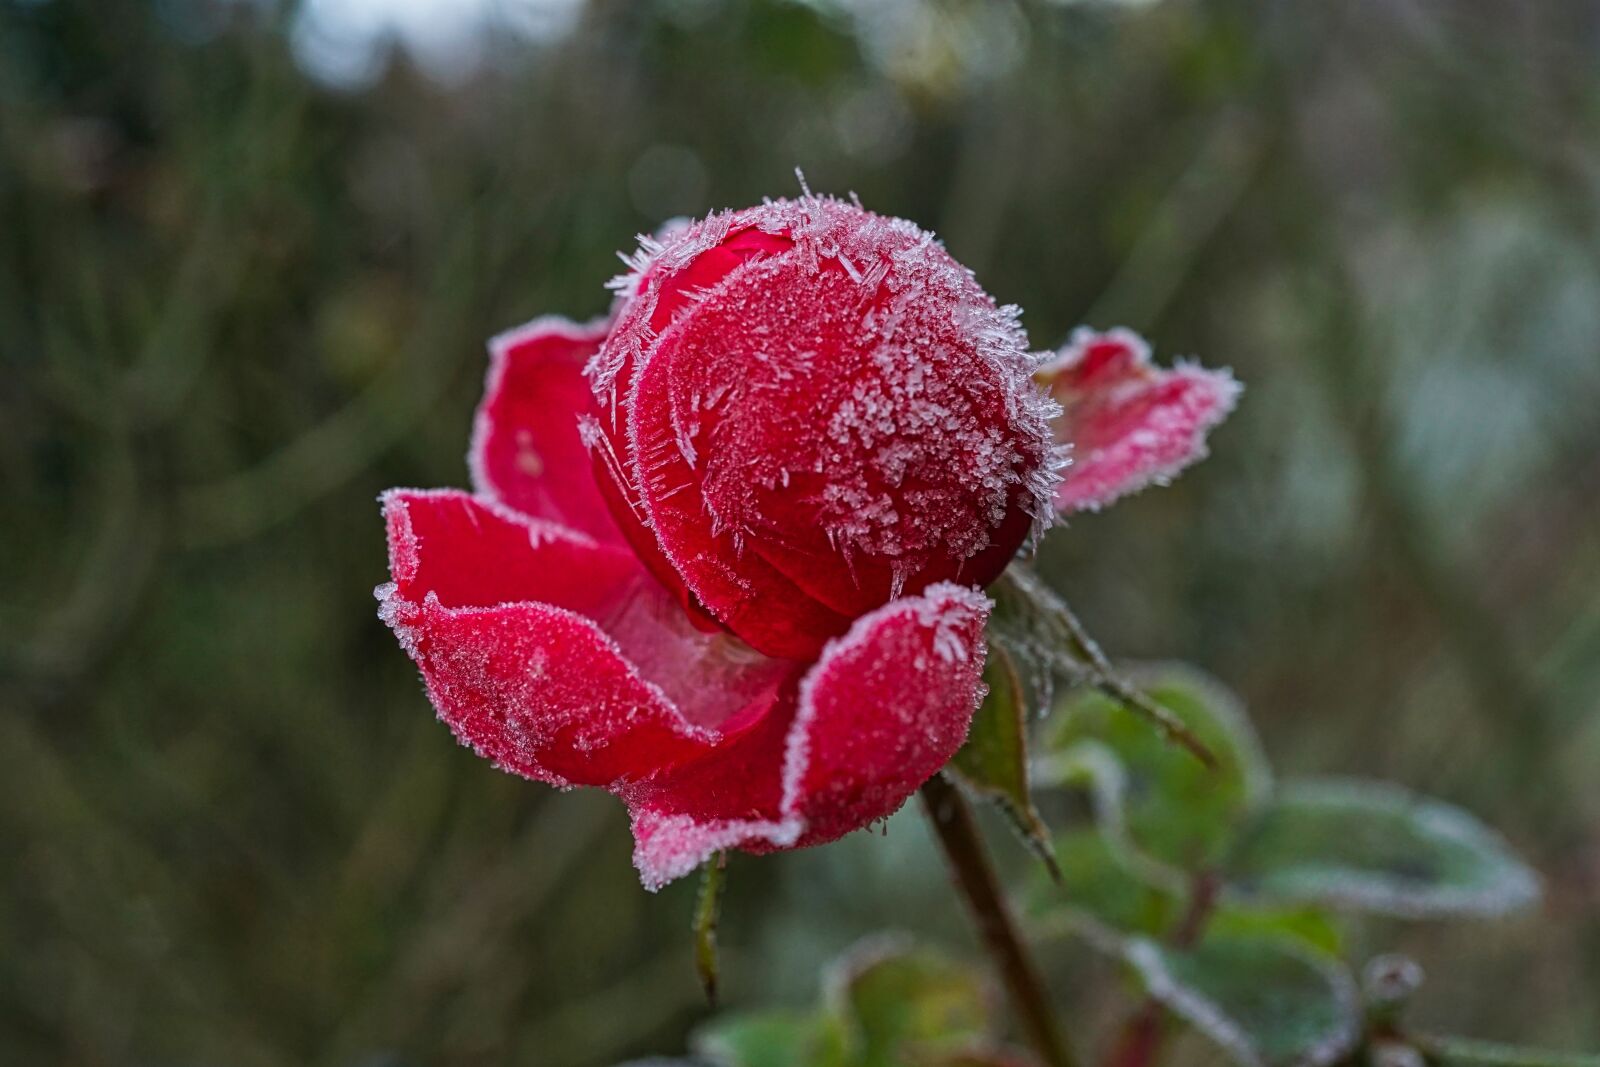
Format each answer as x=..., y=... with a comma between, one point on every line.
x=957, y=831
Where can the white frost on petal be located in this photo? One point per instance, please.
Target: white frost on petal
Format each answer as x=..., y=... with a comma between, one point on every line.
x=668, y=847
x=944, y=607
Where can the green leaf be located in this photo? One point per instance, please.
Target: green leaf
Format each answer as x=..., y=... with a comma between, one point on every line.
x=901, y=1004
x=1098, y=892
x=994, y=760
x=1465, y=1052
x=1309, y=925
x=887, y=1004
x=1267, y=1001
x=771, y=1039
x=1375, y=847
x=1170, y=807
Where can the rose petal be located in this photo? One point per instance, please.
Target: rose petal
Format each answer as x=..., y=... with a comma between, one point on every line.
x=480, y=554
x=860, y=467
x=617, y=490
x=541, y=692
x=526, y=451
x=884, y=708
x=648, y=311
x=498, y=612
x=656, y=497
x=730, y=798
x=888, y=704
x=709, y=268
x=740, y=594
x=1130, y=423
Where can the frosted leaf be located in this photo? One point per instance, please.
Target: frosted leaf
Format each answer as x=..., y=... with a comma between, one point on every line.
x=993, y=762
x=1169, y=805
x=1267, y=1001
x=902, y=1005
x=767, y=1039
x=1373, y=846
x=1466, y=1052
x=1100, y=896
x=885, y=1002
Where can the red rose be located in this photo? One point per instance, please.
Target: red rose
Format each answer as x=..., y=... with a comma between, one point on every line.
x=725, y=550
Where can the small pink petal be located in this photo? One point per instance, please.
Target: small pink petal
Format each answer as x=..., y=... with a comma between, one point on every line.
x=526, y=451
x=1129, y=422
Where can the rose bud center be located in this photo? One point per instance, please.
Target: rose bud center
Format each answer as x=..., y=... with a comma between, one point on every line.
x=815, y=409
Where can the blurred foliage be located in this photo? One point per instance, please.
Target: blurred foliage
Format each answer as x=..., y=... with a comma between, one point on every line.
x=236, y=303
x=1166, y=803
x=1224, y=901
x=1226, y=907
x=886, y=1003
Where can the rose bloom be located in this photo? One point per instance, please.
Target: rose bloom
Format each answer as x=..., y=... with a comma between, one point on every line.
x=725, y=550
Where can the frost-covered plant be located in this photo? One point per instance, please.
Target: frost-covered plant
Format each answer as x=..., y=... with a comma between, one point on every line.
x=744, y=553
x=726, y=552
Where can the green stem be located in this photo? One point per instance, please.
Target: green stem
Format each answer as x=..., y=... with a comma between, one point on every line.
x=707, y=911
x=957, y=831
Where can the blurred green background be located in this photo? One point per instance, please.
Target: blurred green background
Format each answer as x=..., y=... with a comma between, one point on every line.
x=248, y=257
